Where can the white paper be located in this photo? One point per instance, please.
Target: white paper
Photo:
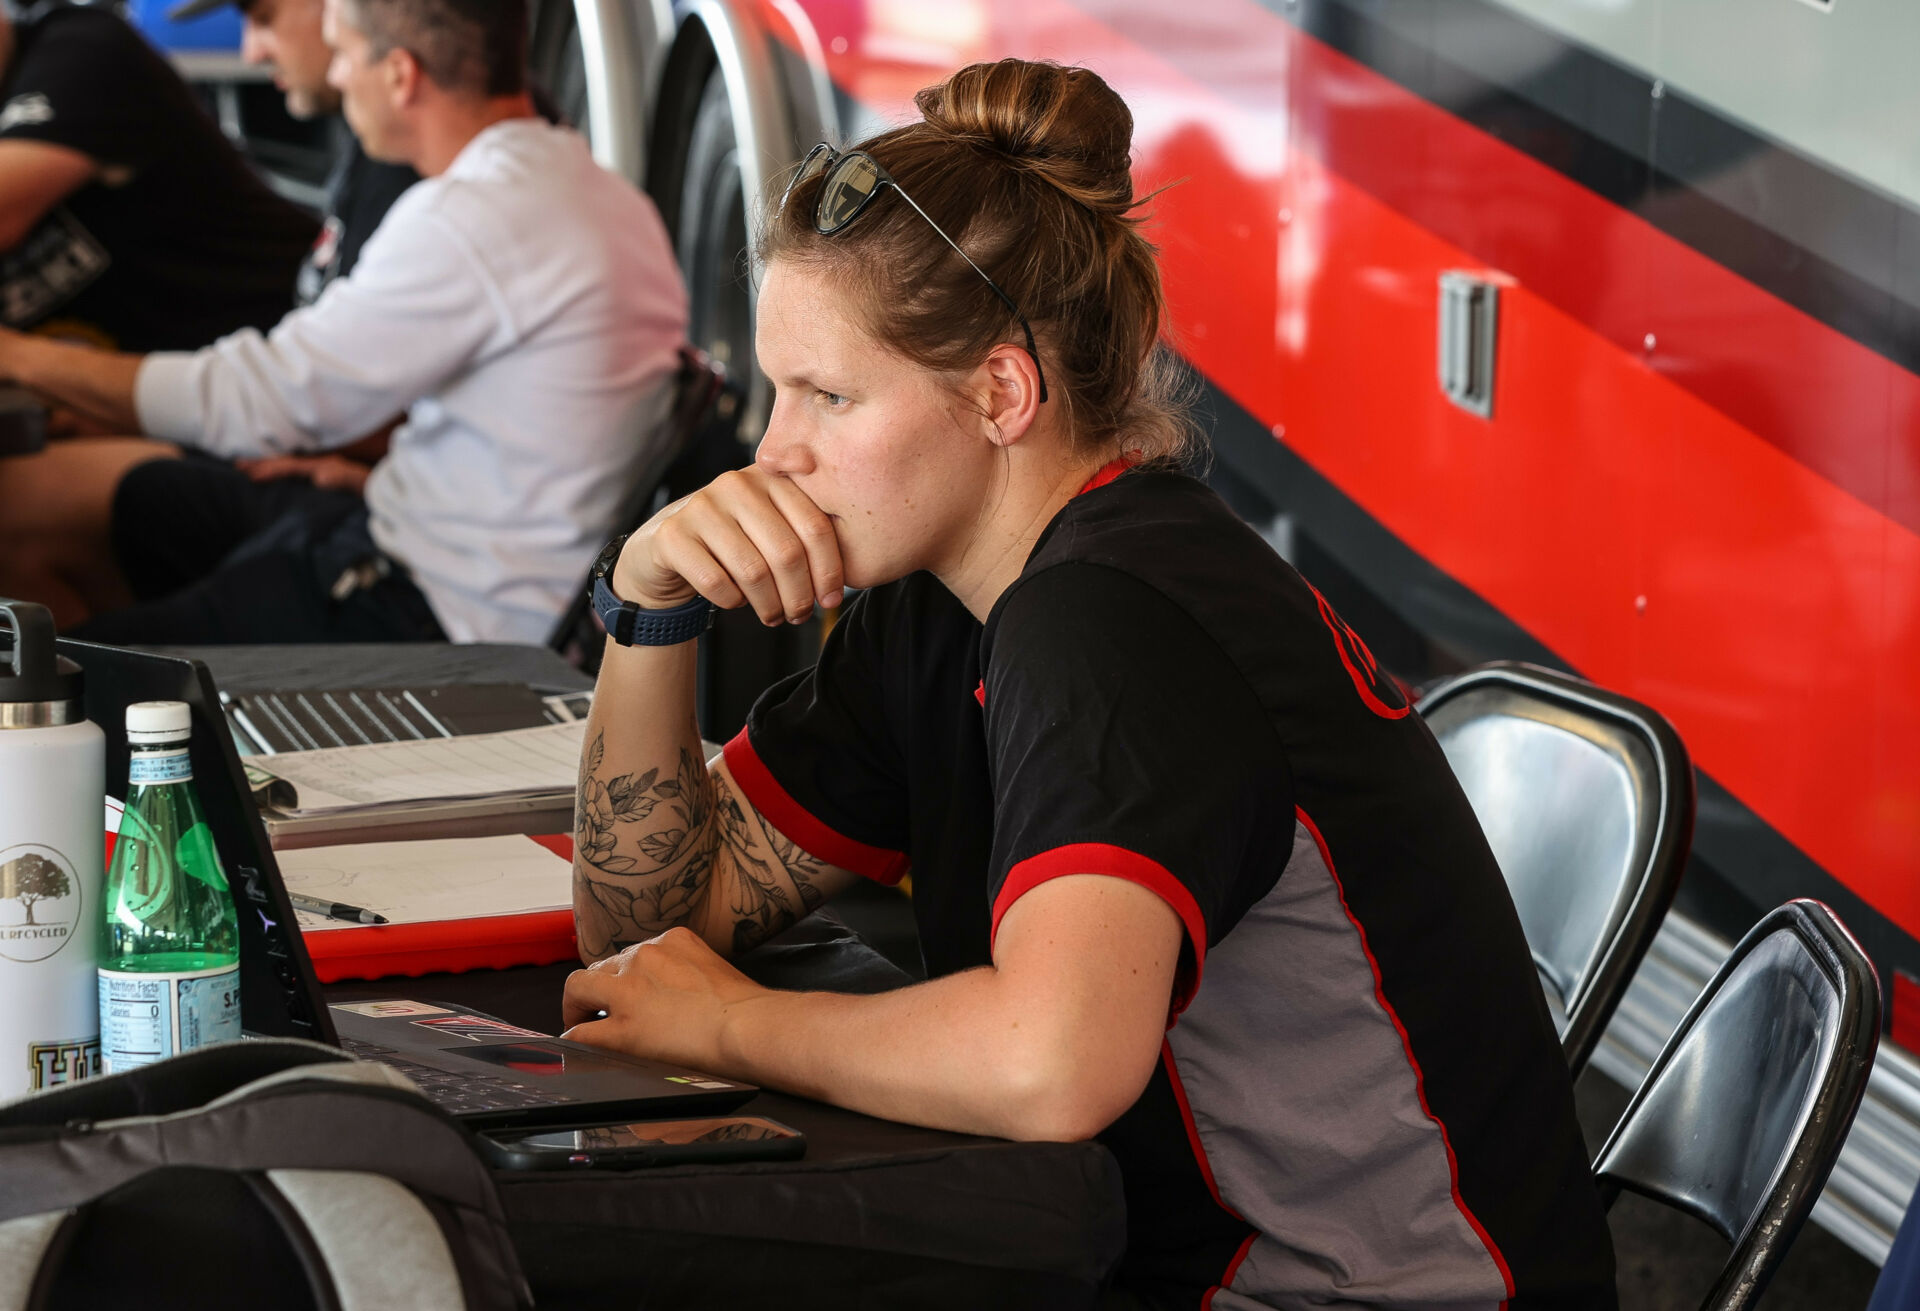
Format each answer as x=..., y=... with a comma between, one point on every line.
x=523, y=762
x=423, y=882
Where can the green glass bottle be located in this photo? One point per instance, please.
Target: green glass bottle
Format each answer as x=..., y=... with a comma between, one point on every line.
x=169, y=941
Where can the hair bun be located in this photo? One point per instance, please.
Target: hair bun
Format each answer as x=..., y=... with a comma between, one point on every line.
x=1064, y=124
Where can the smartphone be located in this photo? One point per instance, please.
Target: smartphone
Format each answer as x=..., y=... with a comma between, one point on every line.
x=643, y=1143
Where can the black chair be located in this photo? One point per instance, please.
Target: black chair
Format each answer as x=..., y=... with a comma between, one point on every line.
x=1744, y=1111
x=698, y=388
x=1587, y=799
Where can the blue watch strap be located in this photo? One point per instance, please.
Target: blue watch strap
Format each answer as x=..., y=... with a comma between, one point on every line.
x=629, y=625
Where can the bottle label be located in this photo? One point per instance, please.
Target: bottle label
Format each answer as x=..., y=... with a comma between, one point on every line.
x=160, y=766
x=148, y=1017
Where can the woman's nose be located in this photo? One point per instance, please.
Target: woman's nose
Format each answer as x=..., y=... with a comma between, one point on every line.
x=780, y=452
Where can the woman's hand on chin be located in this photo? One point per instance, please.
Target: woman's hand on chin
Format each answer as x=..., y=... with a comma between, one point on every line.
x=747, y=538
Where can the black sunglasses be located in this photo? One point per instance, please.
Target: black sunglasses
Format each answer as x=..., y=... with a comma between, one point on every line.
x=852, y=181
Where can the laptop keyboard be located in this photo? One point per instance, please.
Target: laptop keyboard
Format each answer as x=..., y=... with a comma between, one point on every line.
x=456, y=1094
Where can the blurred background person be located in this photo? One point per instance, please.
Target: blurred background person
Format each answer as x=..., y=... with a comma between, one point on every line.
x=285, y=36
x=521, y=304
x=126, y=218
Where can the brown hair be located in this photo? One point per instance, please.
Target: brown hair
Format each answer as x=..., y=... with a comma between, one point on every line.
x=1026, y=166
x=475, y=47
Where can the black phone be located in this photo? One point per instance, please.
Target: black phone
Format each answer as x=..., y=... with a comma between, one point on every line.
x=644, y=1143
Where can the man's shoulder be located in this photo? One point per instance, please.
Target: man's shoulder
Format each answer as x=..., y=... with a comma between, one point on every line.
x=530, y=175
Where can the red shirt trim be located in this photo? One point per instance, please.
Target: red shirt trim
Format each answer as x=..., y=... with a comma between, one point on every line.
x=1206, y=1173
x=1406, y=1045
x=798, y=823
x=1119, y=863
x=1108, y=472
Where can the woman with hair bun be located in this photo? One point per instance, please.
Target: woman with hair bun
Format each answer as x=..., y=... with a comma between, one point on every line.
x=1189, y=877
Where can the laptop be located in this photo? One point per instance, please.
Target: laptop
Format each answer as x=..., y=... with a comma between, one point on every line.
x=265, y=723
x=487, y=1072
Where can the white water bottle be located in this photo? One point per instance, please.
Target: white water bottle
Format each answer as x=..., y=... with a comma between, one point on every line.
x=53, y=777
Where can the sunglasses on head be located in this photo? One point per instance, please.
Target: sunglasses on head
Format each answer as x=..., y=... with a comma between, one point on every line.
x=849, y=184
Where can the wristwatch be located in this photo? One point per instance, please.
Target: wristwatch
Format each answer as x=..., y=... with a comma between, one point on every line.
x=628, y=624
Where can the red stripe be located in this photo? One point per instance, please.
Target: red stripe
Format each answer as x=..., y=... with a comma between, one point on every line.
x=1413, y=1062
x=798, y=823
x=980, y=694
x=1108, y=472
x=1206, y=1171
x=1119, y=863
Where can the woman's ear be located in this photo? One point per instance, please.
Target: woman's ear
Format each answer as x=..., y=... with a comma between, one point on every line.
x=1010, y=387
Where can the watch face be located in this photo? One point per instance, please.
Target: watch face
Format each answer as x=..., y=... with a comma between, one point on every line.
x=608, y=557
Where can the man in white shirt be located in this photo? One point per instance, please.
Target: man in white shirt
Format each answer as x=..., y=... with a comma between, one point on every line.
x=520, y=304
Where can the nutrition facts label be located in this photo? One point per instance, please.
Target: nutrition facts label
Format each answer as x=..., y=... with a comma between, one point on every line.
x=148, y=1017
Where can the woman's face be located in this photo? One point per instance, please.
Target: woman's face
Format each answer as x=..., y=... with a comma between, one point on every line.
x=879, y=443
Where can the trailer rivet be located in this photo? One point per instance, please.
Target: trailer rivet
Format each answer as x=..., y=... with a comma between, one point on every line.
x=1640, y=604
x=1659, y=89
x=1649, y=341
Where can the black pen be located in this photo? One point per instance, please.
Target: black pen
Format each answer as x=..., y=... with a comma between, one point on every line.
x=336, y=910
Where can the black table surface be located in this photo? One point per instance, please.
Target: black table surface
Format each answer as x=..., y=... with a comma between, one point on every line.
x=383, y=664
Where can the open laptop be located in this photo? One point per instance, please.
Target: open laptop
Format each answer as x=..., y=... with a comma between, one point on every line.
x=481, y=1069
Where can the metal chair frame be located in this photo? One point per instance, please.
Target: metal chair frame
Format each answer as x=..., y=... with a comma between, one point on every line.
x=1804, y=1158
x=698, y=387
x=1654, y=755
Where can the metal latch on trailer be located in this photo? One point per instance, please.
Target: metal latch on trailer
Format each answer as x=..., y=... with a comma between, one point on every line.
x=1469, y=322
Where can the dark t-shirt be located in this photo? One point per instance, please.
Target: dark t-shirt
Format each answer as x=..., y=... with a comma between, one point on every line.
x=1361, y=1098
x=187, y=247
x=360, y=191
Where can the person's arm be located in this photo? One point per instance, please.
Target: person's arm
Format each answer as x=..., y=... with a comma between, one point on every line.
x=417, y=308
x=34, y=177
x=1053, y=1041
x=96, y=384
x=661, y=841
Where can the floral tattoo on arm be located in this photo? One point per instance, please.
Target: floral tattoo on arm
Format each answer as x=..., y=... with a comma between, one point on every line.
x=646, y=849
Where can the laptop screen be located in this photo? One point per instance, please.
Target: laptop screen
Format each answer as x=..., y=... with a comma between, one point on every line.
x=279, y=995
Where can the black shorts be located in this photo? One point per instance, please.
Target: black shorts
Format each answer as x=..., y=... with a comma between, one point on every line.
x=213, y=557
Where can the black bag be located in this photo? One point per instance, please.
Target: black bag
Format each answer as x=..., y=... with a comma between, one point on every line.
x=249, y=1174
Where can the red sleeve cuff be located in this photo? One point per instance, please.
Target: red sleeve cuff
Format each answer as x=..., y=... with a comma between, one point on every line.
x=798, y=823
x=1119, y=863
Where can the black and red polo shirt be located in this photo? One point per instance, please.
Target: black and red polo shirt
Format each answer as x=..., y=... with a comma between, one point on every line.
x=1361, y=1100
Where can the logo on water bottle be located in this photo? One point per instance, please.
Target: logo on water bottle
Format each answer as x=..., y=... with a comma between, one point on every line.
x=57, y=1063
x=41, y=882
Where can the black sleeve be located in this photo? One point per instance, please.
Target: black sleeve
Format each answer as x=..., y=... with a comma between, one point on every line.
x=1125, y=742
x=86, y=80
x=817, y=757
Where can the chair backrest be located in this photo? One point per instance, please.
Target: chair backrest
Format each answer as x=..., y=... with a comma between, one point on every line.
x=697, y=390
x=1586, y=798
x=1745, y=1110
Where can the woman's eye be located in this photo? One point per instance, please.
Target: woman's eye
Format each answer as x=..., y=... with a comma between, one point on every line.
x=832, y=400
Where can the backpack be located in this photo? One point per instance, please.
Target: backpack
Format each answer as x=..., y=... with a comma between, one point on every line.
x=272, y=1173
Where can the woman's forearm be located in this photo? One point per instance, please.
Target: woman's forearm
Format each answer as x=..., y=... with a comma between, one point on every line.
x=965, y=1053
x=645, y=835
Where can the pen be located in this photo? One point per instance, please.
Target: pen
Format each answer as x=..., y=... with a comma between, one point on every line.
x=336, y=910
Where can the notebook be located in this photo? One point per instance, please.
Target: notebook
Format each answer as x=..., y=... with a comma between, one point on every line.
x=452, y=904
